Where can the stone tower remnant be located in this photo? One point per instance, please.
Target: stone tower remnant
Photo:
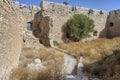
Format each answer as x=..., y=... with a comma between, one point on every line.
x=113, y=24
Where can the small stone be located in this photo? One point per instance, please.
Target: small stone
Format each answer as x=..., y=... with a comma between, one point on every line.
x=37, y=61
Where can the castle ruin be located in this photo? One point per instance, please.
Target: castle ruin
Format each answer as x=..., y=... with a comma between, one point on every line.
x=28, y=15
x=47, y=24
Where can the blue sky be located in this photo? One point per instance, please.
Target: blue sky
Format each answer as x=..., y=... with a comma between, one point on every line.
x=95, y=4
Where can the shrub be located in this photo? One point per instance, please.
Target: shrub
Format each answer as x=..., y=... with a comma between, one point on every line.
x=78, y=27
x=55, y=43
x=66, y=3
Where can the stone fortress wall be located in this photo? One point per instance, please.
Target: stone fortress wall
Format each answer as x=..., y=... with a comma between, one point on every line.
x=47, y=24
x=10, y=39
x=14, y=33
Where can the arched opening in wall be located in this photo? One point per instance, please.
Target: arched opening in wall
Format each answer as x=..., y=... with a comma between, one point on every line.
x=95, y=33
x=29, y=26
x=111, y=24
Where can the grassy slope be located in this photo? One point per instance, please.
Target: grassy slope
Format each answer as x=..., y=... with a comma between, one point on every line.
x=92, y=50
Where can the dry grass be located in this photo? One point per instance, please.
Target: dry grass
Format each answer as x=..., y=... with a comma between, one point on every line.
x=44, y=54
x=50, y=54
x=92, y=50
x=51, y=58
x=23, y=73
x=53, y=71
x=28, y=52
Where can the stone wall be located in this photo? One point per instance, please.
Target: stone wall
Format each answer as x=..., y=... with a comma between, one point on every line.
x=54, y=15
x=13, y=32
x=10, y=39
x=113, y=24
x=27, y=13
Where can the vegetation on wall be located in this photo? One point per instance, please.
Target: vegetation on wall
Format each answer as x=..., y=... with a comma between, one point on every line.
x=78, y=27
x=66, y=3
x=55, y=43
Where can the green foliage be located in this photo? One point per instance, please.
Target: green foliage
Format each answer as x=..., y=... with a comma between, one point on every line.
x=55, y=43
x=78, y=27
x=66, y=3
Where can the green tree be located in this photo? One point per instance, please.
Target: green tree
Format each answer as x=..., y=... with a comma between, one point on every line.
x=78, y=27
x=66, y=3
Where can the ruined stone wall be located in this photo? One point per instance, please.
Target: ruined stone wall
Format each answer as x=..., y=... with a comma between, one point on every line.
x=27, y=13
x=13, y=20
x=113, y=24
x=58, y=14
x=10, y=39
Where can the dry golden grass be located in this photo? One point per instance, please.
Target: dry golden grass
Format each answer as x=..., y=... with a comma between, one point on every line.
x=45, y=54
x=22, y=73
x=53, y=71
x=54, y=60
x=28, y=52
x=48, y=54
x=92, y=50
x=50, y=57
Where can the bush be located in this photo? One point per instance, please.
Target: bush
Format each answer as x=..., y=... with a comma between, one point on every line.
x=66, y=3
x=78, y=27
x=55, y=43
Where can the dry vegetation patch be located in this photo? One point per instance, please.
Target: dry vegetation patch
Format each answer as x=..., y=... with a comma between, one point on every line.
x=44, y=54
x=92, y=50
x=22, y=73
x=49, y=54
x=51, y=59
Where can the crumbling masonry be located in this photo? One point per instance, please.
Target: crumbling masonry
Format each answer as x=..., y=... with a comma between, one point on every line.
x=47, y=24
